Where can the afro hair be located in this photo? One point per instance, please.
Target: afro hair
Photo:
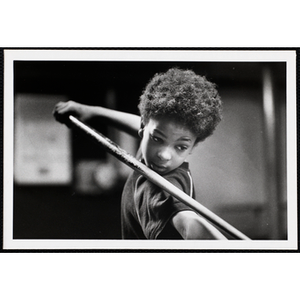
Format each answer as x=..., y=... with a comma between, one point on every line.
x=187, y=97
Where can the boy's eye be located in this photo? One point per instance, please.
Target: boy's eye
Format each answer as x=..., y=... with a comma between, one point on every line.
x=182, y=148
x=155, y=139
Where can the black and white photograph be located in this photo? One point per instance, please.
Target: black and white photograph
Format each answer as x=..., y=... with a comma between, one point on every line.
x=93, y=98
x=150, y=149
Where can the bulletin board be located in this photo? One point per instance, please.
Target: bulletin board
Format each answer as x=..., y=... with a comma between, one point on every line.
x=42, y=146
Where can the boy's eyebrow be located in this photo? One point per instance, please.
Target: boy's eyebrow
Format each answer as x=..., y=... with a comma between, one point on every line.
x=160, y=132
x=184, y=138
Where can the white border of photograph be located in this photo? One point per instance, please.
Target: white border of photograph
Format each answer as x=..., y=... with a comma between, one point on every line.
x=288, y=56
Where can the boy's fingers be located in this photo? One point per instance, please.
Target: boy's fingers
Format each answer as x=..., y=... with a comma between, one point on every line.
x=60, y=112
x=57, y=108
x=61, y=107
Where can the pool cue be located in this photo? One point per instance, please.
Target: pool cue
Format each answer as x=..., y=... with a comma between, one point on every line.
x=157, y=179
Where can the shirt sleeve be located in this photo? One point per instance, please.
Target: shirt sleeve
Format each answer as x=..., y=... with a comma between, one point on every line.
x=155, y=207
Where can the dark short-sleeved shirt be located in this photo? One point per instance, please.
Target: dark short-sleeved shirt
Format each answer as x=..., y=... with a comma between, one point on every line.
x=146, y=209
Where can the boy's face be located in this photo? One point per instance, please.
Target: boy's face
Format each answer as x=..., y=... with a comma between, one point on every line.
x=166, y=144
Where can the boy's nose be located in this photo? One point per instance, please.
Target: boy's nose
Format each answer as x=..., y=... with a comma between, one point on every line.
x=164, y=154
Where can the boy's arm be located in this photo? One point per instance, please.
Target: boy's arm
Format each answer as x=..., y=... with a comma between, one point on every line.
x=127, y=122
x=191, y=226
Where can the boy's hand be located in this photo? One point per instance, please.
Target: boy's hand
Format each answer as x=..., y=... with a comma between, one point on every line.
x=63, y=110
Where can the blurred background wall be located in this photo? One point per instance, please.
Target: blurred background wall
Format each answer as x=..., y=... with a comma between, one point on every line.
x=65, y=187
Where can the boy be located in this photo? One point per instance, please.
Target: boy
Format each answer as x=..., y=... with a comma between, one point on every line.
x=178, y=110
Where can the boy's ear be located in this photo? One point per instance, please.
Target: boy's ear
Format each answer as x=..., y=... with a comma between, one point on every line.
x=141, y=132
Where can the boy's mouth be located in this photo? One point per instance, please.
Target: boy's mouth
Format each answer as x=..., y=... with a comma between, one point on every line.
x=158, y=168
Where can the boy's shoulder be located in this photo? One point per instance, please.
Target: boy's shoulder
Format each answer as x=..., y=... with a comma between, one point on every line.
x=181, y=177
